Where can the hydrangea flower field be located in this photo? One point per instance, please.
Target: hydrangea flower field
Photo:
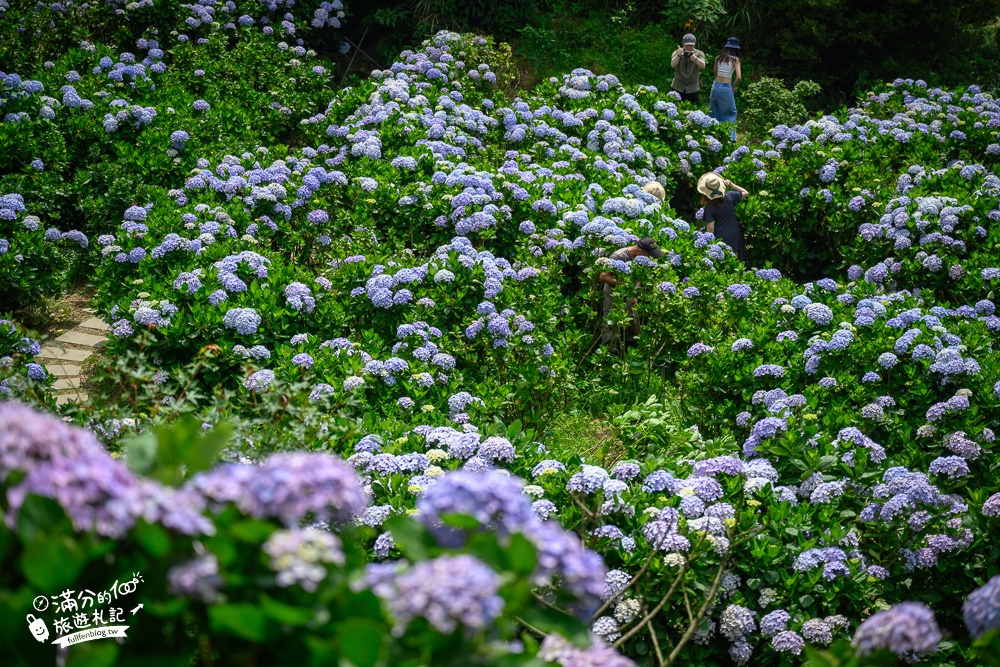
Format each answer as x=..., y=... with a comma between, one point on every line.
x=345, y=318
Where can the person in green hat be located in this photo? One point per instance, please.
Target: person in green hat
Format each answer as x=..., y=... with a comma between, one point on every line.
x=688, y=62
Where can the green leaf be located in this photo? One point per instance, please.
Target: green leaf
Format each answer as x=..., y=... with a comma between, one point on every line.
x=521, y=555
x=176, y=451
x=360, y=641
x=245, y=621
x=463, y=521
x=485, y=547
x=284, y=613
x=140, y=452
x=40, y=516
x=153, y=538
x=224, y=548
x=252, y=531
x=99, y=653
x=321, y=651
x=827, y=461
x=549, y=621
x=411, y=537
x=52, y=564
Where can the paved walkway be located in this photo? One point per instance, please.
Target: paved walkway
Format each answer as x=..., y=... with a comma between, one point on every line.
x=64, y=358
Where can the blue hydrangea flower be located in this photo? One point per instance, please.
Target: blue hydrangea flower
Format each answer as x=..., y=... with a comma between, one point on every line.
x=244, y=320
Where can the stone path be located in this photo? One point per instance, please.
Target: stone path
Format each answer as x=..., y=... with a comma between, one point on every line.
x=63, y=358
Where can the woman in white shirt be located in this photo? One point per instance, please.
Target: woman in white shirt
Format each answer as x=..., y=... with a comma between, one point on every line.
x=722, y=102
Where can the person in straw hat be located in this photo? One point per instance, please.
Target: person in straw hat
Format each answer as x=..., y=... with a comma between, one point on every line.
x=655, y=189
x=720, y=211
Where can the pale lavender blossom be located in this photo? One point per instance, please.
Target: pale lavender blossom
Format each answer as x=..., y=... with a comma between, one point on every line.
x=448, y=591
x=908, y=629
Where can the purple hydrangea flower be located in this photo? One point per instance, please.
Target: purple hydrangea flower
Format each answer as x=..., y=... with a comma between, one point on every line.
x=698, y=349
x=908, y=629
x=788, y=642
x=288, y=487
x=447, y=591
x=982, y=608
x=299, y=297
x=739, y=291
x=302, y=359
x=29, y=438
x=819, y=313
x=774, y=622
x=494, y=500
x=736, y=622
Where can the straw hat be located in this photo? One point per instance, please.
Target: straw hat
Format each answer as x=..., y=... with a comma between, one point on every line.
x=655, y=189
x=711, y=185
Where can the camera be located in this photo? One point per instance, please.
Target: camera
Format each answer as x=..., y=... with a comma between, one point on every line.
x=688, y=54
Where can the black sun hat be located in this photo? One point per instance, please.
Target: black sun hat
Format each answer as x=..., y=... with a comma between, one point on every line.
x=649, y=245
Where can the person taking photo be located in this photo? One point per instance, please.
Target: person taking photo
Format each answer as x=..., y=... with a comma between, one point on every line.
x=687, y=62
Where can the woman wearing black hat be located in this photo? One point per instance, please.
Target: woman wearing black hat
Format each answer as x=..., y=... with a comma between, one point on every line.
x=722, y=101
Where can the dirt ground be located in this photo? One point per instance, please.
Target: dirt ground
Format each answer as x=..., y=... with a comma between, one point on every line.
x=53, y=317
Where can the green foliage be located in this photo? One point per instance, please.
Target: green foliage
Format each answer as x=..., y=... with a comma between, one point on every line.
x=634, y=50
x=691, y=14
x=840, y=42
x=17, y=351
x=243, y=609
x=578, y=433
x=497, y=18
x=766, y=102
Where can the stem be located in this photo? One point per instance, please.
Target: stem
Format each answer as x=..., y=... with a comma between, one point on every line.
x=206, y=650
x=586, y=510
x=656, y=610
x=529, y=626
x=693, y=627
x=656, y=642
x=191, y=379
x=549, y=604
x=687, y=604
x=630, y=584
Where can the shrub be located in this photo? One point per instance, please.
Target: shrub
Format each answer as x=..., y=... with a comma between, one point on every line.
x=767, y=102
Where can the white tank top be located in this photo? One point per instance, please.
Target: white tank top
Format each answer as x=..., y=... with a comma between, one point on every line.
x=726, y=70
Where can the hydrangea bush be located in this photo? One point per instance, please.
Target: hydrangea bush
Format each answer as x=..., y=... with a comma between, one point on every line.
x=268, y=559
x=405, y=276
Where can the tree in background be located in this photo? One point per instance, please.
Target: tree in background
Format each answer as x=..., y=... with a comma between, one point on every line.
x=842, y=44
